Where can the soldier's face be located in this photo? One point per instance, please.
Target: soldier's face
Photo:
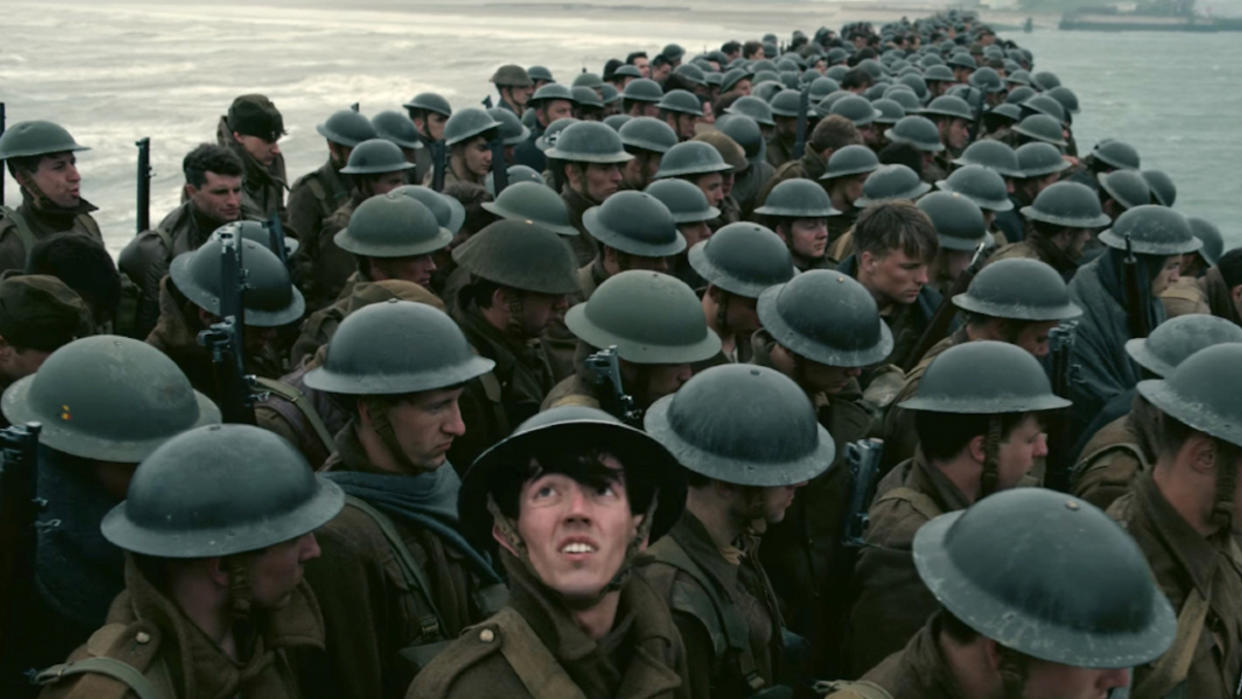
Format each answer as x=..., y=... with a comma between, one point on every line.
x=742, y=316
x=477, y=157
x=555, y=111
x=57, y=177
x=712, y=186
x=1017, y=454
x=16, y=363
x=895, y=276
x=743, y=86
x=955, y=133
x=601, y=180
x=219, y=198
x=1169, y=273
x=830, y=380
x=386, y=182
x=1045, y=680
x=807, y=237
x=539, y=310
x=695, y=232
x=576, y=534
x=412, y=268
x=684, y=126
x=768, y=504
x=425, y=425
x=435, y=125
x=727, y=179
x=870, y=134
x=643, y=65
x=652, y=382
x=274, y=572
x=637, y=173
x=259, y=148
x=852, y=187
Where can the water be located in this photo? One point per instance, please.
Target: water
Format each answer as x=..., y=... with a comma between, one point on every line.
x=113, y=72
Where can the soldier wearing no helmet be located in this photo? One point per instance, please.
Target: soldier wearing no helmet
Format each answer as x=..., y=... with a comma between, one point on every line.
x=572, y=498
x=251, y=129
x=40, y=155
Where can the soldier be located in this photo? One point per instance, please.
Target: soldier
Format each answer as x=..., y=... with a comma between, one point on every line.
x=891, y=182
x=829, y=136
x=588, y=104
x=987, y=639
x=700, y=164
x=1122, y=190
x=746, y=133
x=1157, y=236
x=205, y=613
x=392, y=236
x=682, y=111
x=1186, y=295
x=962, y=233
x=738, y=262
x=846, y=171
x=633, y=230
x=539, y=76
x=396, y=127
x=513, y=133
x=1107, y=155
x=692, y=214
x=819, y=329
x=396, y=576
x=251, y=129
x=1216, y=292
x=550, y=104
x=986, y=188
x=38, y=314
x=588, y=158
x=375, y=167
x=798, y=210
x=721, y=427
x=1115, y=452
x=521, y=276
x=953, y=118
x=514, y=86
x=190, y=301
x=1039, y=166
x=895, y=244
x=920, y=133
x=1181, y=513
x=655, y=350
x=40, y=157
x=647, y=139
x=105, y=403
x=317, y=194
x=976, y=437
x=863, y=115
x=537, y=203
x=572, y=497
x=1016, y=301
x=429, y=112
x=213, y=194
x=1062, y=220
x=784, y=107
x=467, y=135
x=1163, y=191
x=641, y=98
x=735, y=158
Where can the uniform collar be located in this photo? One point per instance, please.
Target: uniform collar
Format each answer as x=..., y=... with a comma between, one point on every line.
x=1196, y=554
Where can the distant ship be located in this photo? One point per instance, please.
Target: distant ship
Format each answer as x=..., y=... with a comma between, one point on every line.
x=1169, y=16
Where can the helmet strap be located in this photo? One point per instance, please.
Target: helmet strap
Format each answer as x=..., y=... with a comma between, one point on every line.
x=1226, y=481
x=513, y=324
x=991, y=449
x=377, y=411
x=241, y=597
x=1012, y=667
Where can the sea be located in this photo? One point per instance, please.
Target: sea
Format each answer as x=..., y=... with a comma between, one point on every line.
x=115, y=72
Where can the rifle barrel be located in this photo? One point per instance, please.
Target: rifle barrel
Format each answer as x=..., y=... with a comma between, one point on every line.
x=3, y=119
x=144, y=183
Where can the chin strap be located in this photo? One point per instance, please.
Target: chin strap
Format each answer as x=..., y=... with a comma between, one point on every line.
x=240, y=596
x=991, y=452
x=377, y=411
x=508, y=531
x=1226, y=480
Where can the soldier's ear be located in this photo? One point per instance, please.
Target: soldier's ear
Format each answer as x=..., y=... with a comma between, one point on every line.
x=1201, y=452
x=975, y=446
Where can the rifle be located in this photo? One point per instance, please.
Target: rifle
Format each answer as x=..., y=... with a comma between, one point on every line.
x=19, y=458
x=439, y=155
x=224, y=338
x=1061, y=371
x=863, y=459
x=144, y=183
x=500, y=169
x=980, y=111
x=355, y=106
x=487, y=102
x=3, y=119
x=1136, y=296
x=602, y=368
x=804, y=100
x=276, y=238
x=938, y=327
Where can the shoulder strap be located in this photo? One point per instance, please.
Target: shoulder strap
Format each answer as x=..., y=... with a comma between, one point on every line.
x=1172, y=667
x=299, y=401
x=24, y=233
x=531, y=661
x=116, y=669
x=861, y=688
x=921, y=502
x=413, y=572
x=1133, y=449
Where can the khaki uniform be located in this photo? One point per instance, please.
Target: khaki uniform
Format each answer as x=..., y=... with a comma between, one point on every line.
x=263, y=188
x=780, y=150
x=146, y=258
x=325, y=268
x=803, y=554
x=376, y=610
x=148, y=631
x=1109, y=463
x=1202, y=577
x=900, y=440
x=918, y=670
x=892, y=601
x=307, y=418
x=1034, y=247
x=584, y=246
x=730, y=212
x=314, y=197
x=841, y=226
x=1185, y=296
x=572, y=390
x=723, y=606
x=26, y=225
x=492, y=405
x=747, y=185
x=359, y=291
x=533, y=648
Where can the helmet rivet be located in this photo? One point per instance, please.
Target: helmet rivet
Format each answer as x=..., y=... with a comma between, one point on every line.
x=1071, y=505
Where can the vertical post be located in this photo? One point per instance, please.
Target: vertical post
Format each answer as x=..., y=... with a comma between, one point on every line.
x=144, y=183
x=3, y=117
